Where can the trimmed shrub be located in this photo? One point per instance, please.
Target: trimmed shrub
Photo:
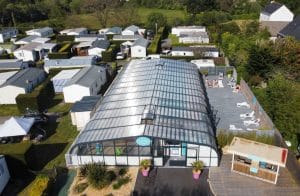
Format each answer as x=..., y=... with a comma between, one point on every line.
x=38, y=99
x=123, y=171
x=39, y=186
x=64, y=38
x=97, y=176
x=121, y=181
x=83, y=171
x=65, y=48
x=59, y=55
x=79, y=188
x=4, y=56
x=110, y=54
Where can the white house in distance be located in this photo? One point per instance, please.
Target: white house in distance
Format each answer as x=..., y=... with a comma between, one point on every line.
x=4, y=173
x=76, y=31
x=22, y=82
x=74, y=62
x=97, y=47
x=87, y=82
x=139, y=48
x=276, y=12
x=7, y=34
x=126, y=37
x=193, y=37
x=60, y=79
x=180, y=29
x=131, y=30
x=114, y=31
x=42, y=32
x=83, y=110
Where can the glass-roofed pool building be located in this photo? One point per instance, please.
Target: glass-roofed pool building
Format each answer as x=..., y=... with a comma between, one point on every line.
x=155, y=109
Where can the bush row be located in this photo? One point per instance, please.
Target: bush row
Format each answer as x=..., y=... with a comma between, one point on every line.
x=65, y=38
x=154, y=47
x=38, y=99
x=110, y=54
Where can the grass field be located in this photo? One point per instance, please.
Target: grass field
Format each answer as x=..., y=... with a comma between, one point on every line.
x=91, y=22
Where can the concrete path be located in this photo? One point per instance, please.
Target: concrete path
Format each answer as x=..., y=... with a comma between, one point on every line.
x=172, y=182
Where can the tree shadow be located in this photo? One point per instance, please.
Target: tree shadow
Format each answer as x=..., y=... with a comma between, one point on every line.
x=39, y=155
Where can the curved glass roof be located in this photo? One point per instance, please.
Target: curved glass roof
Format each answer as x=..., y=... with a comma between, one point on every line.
x=159, y=98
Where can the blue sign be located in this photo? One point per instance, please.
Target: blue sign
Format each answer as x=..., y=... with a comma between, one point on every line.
x=143, y=141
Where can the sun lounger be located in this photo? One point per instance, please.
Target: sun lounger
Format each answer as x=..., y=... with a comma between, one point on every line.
x=247, y=115
x=252, y=122
x=234, y=128
x=243, y=104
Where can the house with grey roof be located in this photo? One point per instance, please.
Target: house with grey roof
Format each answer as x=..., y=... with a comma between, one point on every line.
x=131, y=30
x=22, y=82
x=126, y=37
x=76, y=61
x=193, y=37
x=292, y=29
x=114, y=31
x=12, y=64
x=89, y=37
x=41, y=32
x=83, y=110
x=87, y=82
x=97, y=47
x=276, y=12
x=139, y=48
x=75, y=31
x=180, y=29
x=6, y=34
x=26, y=40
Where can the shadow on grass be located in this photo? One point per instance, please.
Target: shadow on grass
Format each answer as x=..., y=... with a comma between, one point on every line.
x=20, y=176
x=41, y=154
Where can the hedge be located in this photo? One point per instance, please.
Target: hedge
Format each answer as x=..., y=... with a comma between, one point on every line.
x=59, y=55
x=40, y=186
x=154, y=47
x=38, y=99
x=64, y=38
x=110, y=54
x=5, y=56
x=17, y=150
x=66, y=48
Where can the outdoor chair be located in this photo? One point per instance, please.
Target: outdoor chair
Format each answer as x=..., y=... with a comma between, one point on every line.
x=220, y=84
x=247, y=115
x=243, y=104
x=252, y=122
x=234, y=128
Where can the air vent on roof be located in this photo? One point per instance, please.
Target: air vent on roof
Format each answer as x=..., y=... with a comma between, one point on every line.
x=148, y=115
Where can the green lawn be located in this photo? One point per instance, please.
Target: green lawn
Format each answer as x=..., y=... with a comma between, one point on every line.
x=174, y=39
x=9, y=110
x=170, y=14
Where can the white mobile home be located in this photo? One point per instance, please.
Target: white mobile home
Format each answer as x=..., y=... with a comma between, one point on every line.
x=182, y=51
x=97, y=47
x=180, y=29
x=6, y=64
x=74, y=62
x=76, y=31
x=90, y=37
x=62, y=78
x=83, y=110
x=131, y=30
x=26, y=40
x=193, y=37
x=139, y=48
x=276, y=12
x=7, y=34
x=6, y=75
x=87, y=82
x=4, y=173
x=22, y=82
x=29, y=52
x=41, y=32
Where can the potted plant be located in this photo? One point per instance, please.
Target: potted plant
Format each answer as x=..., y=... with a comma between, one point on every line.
x=197, y=167
x=145, y=166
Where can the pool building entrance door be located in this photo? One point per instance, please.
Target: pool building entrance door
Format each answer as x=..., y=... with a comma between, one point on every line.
x=174, y=154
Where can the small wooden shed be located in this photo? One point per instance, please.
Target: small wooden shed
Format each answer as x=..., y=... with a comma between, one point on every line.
x=257, y=160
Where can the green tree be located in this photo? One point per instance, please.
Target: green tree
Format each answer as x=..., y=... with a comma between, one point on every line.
x=156, y=18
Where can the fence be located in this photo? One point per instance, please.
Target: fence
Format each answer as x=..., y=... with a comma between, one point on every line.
x=292, y=163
